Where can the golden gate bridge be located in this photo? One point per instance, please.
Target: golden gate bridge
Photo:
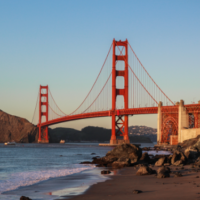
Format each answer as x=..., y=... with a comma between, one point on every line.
x=123, y=87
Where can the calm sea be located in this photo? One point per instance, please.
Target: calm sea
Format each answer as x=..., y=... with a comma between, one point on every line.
x=48, y=171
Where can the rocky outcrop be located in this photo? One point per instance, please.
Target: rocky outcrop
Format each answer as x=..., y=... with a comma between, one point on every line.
x=129, y=151
x=191, y=153
x=145, y=170
x=24, y=198
x=121, y=156
x=17, y=129
x=178, y=156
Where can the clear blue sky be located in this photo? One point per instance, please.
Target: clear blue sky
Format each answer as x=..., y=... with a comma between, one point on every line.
x=64, y=43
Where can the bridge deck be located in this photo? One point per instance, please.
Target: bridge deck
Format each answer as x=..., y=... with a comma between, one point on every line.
x=130, y=111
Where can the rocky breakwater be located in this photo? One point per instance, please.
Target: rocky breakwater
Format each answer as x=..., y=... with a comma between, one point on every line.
x=17, y=129
x=181, y=160
x=123, y=155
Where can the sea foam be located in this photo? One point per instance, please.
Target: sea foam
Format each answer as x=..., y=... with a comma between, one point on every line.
x=28, y=178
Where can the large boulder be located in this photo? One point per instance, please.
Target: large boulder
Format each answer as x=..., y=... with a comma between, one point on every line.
x=178, y=155
x=145, y=170
x=104, y=161
x=161, y=161
x=191, y=153
x=121, y=162
x=197, y=145
x=24, y=198
x=130, y=151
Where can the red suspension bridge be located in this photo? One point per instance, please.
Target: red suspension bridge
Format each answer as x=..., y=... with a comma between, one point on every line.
x=123, y=87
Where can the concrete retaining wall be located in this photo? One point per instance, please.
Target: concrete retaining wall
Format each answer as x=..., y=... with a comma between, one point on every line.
x=189, y=133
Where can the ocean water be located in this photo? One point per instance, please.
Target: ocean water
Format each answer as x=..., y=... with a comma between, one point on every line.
x=48, y=171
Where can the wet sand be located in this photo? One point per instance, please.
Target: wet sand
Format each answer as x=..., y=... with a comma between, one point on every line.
x=121, y=186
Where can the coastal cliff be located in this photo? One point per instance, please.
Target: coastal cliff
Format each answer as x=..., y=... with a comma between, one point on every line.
x=17, y=129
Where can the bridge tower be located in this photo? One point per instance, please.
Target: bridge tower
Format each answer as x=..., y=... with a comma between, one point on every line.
x=119, y=122
x=43, y=111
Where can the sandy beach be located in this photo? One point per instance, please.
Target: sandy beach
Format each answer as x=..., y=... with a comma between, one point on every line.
x=122, y=185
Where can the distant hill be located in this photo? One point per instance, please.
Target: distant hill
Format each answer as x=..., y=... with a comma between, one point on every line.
x=99, y=134
x=146, y=131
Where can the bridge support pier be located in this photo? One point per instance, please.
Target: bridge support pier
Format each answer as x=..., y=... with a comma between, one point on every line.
x=119, y=122
x=43, y=111
x=43, y=135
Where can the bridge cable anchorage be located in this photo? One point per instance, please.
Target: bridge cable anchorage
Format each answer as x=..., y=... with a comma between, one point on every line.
x=94, y=82
x=149, y=75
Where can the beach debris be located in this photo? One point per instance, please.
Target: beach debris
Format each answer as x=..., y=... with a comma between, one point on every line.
x=163, y=172
x=24, y=198
x=105, y=172
x=137, y=191
x=145, y=170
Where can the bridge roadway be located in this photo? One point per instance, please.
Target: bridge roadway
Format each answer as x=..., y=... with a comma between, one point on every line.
x=130, y=111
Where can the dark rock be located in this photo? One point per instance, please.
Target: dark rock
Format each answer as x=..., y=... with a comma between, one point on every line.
x=197, y=145
x=178, y=155
x=130, y=151
x=104, y=161
x=137, y=191
x=24, y=198
x=145, y=157
x=86, y=162
x=93, y=153
x=145, y=149
x=163, y=172
x=105, y=172
x=145, y=170
x=178, y=174
x=191, y=153
x=121, y=162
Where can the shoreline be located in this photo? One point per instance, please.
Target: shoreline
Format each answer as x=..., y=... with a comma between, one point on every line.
x=122, y=185
x=59, y=187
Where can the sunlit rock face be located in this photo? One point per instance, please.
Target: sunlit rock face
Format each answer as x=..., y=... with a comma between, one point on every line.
x=17, y=129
